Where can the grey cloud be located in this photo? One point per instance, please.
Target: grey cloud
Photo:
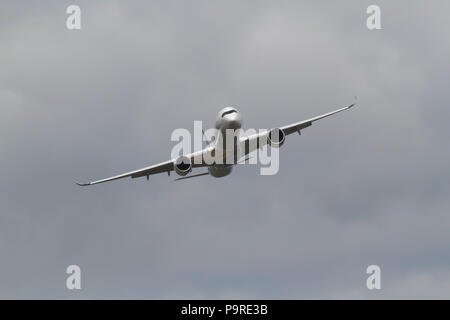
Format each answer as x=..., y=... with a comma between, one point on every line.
x=369, y=186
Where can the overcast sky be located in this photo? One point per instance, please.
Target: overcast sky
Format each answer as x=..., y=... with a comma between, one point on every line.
x=368, y=186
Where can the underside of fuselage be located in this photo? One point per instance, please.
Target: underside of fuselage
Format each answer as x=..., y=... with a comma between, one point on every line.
x=220, y=170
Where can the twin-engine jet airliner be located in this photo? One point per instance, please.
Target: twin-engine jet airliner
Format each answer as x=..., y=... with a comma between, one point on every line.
x=227, y=119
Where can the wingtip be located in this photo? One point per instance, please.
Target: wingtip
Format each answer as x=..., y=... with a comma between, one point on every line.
x=354, y=103
x=83, y=184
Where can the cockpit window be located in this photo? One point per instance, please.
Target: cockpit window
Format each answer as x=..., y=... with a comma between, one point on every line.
x=228, y=112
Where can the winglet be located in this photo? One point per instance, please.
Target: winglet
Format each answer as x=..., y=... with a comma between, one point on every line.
x=83, y=184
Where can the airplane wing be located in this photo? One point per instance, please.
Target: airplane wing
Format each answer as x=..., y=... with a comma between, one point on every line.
x=253, y=142
x=166, y=166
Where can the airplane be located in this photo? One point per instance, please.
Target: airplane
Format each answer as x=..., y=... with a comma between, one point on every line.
x=228, y=118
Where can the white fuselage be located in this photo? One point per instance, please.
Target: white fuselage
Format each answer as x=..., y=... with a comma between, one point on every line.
x=227, y=119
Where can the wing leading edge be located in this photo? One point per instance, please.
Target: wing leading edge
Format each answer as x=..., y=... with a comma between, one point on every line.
x=157, y=168
x=295, y=127
x=255, y=141
x=167, y=166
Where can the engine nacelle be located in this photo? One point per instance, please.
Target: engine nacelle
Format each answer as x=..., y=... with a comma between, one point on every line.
x=182, y=166
x=275, y=138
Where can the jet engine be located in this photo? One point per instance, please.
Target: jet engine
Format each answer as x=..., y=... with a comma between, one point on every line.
x=183, y=166
x=275, y=138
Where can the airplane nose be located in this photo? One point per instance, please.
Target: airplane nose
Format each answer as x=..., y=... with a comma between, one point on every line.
x=234, y=122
